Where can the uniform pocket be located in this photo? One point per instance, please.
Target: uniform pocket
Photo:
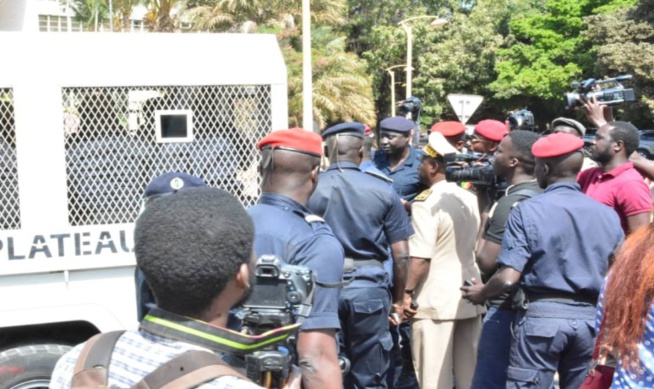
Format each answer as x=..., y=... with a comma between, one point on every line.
x=522, y=378
x=541, y=330
x=368, y=306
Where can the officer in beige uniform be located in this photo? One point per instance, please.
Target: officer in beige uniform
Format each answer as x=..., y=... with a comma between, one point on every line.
x=445, y=327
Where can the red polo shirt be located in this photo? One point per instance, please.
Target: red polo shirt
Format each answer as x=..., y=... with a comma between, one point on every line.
x=623, y=189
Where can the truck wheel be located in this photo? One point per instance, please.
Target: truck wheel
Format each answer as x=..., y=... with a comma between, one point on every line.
x=29, y=367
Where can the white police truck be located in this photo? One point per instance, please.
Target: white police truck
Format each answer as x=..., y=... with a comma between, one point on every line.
x=86, y=121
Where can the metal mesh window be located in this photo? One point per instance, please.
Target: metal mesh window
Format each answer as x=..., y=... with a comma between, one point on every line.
x=112, y=151
x=9, y=201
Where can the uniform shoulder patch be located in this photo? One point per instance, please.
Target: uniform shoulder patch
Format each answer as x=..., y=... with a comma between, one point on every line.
x=313, y=219
x=422, y=196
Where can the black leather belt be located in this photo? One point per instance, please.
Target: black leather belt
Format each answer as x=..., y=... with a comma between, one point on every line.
x=561, y=298
x=350, y=264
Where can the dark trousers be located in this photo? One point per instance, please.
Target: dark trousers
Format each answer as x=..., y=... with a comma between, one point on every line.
x=364, y=337
x=493, y=350
x=550, y=337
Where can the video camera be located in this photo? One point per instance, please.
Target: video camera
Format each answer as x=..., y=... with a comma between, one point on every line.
x=607, y=92
x=412, y=105
x=280, y=293
x=522, y=120
x=474, y=168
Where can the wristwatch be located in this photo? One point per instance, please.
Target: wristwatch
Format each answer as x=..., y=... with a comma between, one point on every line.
x=408, y=291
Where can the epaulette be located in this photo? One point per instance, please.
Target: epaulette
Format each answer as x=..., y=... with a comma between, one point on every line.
x=313, y=219
x=422, y=196
x=380, y=176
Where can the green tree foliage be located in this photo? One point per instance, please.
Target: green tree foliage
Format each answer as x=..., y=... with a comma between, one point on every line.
x=461, y=59
x=544, y=51
x=624, y=43
x=91, y=13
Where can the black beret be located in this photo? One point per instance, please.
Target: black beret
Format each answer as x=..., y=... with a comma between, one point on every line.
x=397, y=124
x=349, y=128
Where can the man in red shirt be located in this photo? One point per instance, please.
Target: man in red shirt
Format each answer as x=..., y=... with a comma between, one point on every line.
x=617, y=184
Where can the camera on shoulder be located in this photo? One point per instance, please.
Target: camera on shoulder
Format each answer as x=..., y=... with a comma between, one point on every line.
x=609, y=91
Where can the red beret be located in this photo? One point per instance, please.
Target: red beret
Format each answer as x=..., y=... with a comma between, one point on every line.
x=556, y=144
x=450, y=128
x=367, y=131
x=294, y=139
x=492, y=129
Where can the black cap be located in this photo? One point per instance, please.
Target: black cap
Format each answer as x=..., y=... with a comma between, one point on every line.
x=350, y=128
x=397, y=124
x=171, y=182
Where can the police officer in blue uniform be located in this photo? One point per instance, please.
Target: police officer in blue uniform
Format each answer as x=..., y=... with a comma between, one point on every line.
x=557, y=246
x=397, y=159
x=162, y=185
x=367, y=217
x=285, y=227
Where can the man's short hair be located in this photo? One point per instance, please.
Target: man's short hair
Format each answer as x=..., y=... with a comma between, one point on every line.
x=522, y=141
x=190, y=245
x=627, y=133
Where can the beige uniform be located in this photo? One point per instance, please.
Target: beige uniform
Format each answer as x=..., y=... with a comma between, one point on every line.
x=446, y=328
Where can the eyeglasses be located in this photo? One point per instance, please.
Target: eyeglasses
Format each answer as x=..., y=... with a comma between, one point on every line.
x=476, y=140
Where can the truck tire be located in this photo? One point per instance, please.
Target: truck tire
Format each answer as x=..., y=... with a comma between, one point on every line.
x=29, y=367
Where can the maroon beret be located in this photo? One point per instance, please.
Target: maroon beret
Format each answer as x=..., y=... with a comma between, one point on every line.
x=492, y=129
x=294, y=139
x=556, y=144
x=449, y=128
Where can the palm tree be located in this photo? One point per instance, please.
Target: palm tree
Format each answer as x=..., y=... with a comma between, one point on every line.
x=342, y=90
x=89, y=12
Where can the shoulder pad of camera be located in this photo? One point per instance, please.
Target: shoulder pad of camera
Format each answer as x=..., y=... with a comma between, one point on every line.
x=313, y=219
x=422, y=196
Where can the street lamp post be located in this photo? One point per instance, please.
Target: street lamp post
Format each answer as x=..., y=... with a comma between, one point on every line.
x=438, y=22
x=307, y=75
x=392, y=74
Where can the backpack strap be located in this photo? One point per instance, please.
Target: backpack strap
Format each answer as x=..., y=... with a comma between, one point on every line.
x=525, y=193
x=188, y=370
x=92, y=367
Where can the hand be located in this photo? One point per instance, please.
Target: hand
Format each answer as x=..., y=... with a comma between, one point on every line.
x=397, y=314
x=408, y=312
x=473, y=293
x=294, y=378
x=635, y=157
x=596, y=113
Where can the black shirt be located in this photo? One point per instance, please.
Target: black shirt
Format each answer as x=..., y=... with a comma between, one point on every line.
x=496, y=223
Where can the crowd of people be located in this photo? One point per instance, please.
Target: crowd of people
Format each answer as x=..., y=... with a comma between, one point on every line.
x=422, y=282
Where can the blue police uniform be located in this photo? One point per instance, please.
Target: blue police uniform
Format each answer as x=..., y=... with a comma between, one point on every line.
x=405, y=176
x=561, y=242
x=287, y=229
x=366, y=216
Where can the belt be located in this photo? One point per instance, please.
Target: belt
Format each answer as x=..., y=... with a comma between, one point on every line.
x=561, y=297
x=350, y=264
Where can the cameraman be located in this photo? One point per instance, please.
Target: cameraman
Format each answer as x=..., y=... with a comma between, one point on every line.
x=514, y=163
x=194, y=290
x=485, y=140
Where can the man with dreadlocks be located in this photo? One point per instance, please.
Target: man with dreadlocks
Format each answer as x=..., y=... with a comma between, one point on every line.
x=290, y=161
x=368, y=218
